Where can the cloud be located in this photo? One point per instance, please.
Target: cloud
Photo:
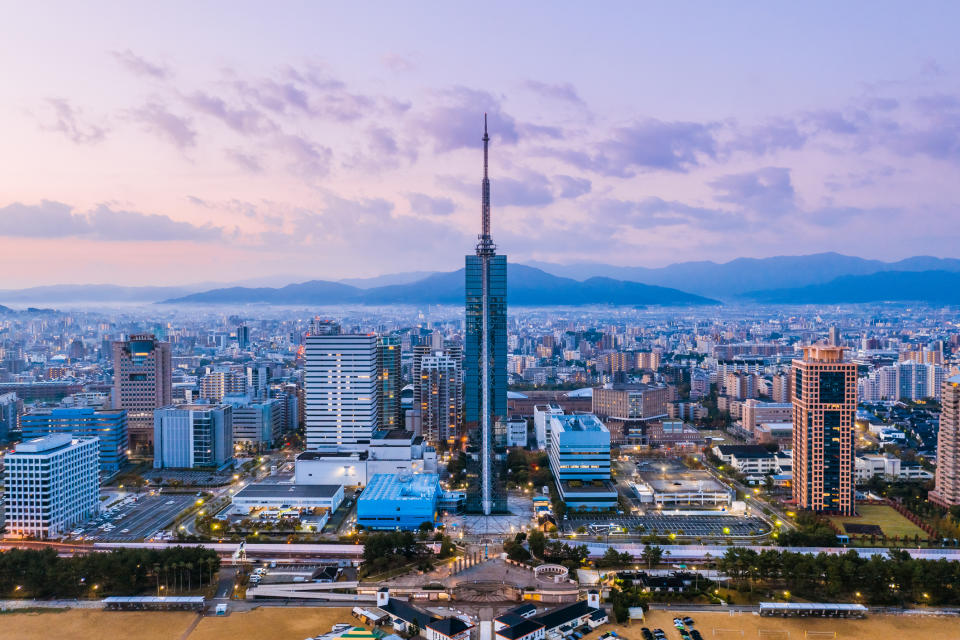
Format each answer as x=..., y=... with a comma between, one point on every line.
x=396, y=62
x=775, y=135
x=563, y=92
x=139, y=66
x=646, y=145
x=156, y=118
x=306, y=158
x=458, y=122
x=244, y=160
x=51, y=219
x=529, y=130
x=765, y=191
x=571, y=187
x=69, y=121
x=834, y=121
x=422, y=203
x=246, y=120
x=532, y=189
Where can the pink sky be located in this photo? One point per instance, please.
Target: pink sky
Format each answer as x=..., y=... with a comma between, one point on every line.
x=177, y=143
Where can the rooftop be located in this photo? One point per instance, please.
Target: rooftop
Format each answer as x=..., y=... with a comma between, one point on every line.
x=578, y=422
x=294, y=491
x=394, y=486
x=522, y=628
x=563, y=615
x=449, y=626
x=320, y=455
x=744, y=451
x=47, y=443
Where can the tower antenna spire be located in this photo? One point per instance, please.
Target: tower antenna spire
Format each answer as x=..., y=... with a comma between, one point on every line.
x=485, y=246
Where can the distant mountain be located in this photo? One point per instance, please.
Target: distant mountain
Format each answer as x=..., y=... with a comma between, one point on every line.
x=4, y=309
x=91, y=293
x=526, y=287
x=731, y=279
x=405, y=277
x=936, y=287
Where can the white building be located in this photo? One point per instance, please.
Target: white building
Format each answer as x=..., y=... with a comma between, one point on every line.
x=341, y=390
x=541, y=422
x=51, y=484
x=516, y=432
x=746, y=458
x=890, y=467
x=392, y=451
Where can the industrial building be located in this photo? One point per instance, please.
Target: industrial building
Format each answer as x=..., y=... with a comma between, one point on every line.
x=50, y=484
x=683, y=490
x=399, y=501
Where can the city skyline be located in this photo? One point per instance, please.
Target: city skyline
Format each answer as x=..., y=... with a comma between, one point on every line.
x=323, y=141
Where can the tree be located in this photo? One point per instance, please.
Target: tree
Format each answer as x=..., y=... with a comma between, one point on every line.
x=537, y=542
x=652, y=555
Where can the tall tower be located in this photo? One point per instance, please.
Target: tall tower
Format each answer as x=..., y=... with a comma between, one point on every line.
x=389, y=381
x=824, y=407
x=485, y=360
x=947, y=491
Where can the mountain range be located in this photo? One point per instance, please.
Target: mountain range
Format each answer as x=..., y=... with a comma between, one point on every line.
x=817, y=278
x=527, y=286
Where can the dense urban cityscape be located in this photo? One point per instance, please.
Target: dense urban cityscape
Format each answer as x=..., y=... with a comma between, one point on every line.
x=759, y=436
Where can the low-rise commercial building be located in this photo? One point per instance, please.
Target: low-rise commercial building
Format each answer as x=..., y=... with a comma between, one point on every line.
x=394, y=451
x=292, y=496
x=399, y=501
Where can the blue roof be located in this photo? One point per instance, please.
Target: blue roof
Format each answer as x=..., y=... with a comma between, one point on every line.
x=394, y=486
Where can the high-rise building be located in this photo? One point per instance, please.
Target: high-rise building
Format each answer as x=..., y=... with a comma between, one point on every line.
x=142, y=382
x=51, y=484
x=190, y=436
x=485, y=360
x=108, y=425
x=243, y=337
x=824, y=408
x=10, y=409
x=258, y=380
x=946, y=492
x=834, y=336
x=780, y=387
x=389, y=380
x=441, y=396
x=341, y=390
x=580, y=462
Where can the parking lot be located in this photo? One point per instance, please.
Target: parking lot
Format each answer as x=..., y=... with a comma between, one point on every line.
x=689, y=525
x=135, y=520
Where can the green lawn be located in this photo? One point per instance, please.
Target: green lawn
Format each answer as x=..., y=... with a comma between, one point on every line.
x=887, y=518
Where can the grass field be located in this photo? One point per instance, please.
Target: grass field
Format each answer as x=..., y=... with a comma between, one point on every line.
x=723, y=626
x=885, y=517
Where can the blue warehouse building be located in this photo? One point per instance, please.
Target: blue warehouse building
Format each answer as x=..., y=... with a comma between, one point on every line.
x=108, y=425
x=580, y=462
x=399, y=501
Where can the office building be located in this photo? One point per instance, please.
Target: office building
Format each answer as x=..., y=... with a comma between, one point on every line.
x=51, y=484
x=257, y=425
x=580, y=462
x=485, y=358
x=440, y=390
x=399, y=501
x=258, y=380
x=753, y=412
x=109, y=426
x=243, y=337
x=946, y=491
x=627, y=401
x=142, y=381
x=824, y=407
x=389, y=381
x=341, y=390
x=193, y=436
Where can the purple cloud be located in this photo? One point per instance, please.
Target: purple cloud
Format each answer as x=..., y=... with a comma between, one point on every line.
x=422, y=203
x=765, y=191
x=57, y=220
x=564, y=92
x=396, y=62
x=241, y=120
x=306, y=158
x=139, y=66
x=156, y=118
x=775, y=135
x=244, y=160
x=69, y=122
x=571, y=187
x=458, y=123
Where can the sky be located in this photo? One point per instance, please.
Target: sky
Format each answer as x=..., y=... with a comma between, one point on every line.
x=181, y=142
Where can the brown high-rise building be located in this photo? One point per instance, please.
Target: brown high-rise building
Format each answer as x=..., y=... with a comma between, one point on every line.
x=142, y=382
x=824, y=408
x=947, y=490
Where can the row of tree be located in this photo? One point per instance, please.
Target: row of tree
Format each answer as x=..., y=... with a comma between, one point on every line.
x=43, y=574
x=392, y=549
x=895, y=580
